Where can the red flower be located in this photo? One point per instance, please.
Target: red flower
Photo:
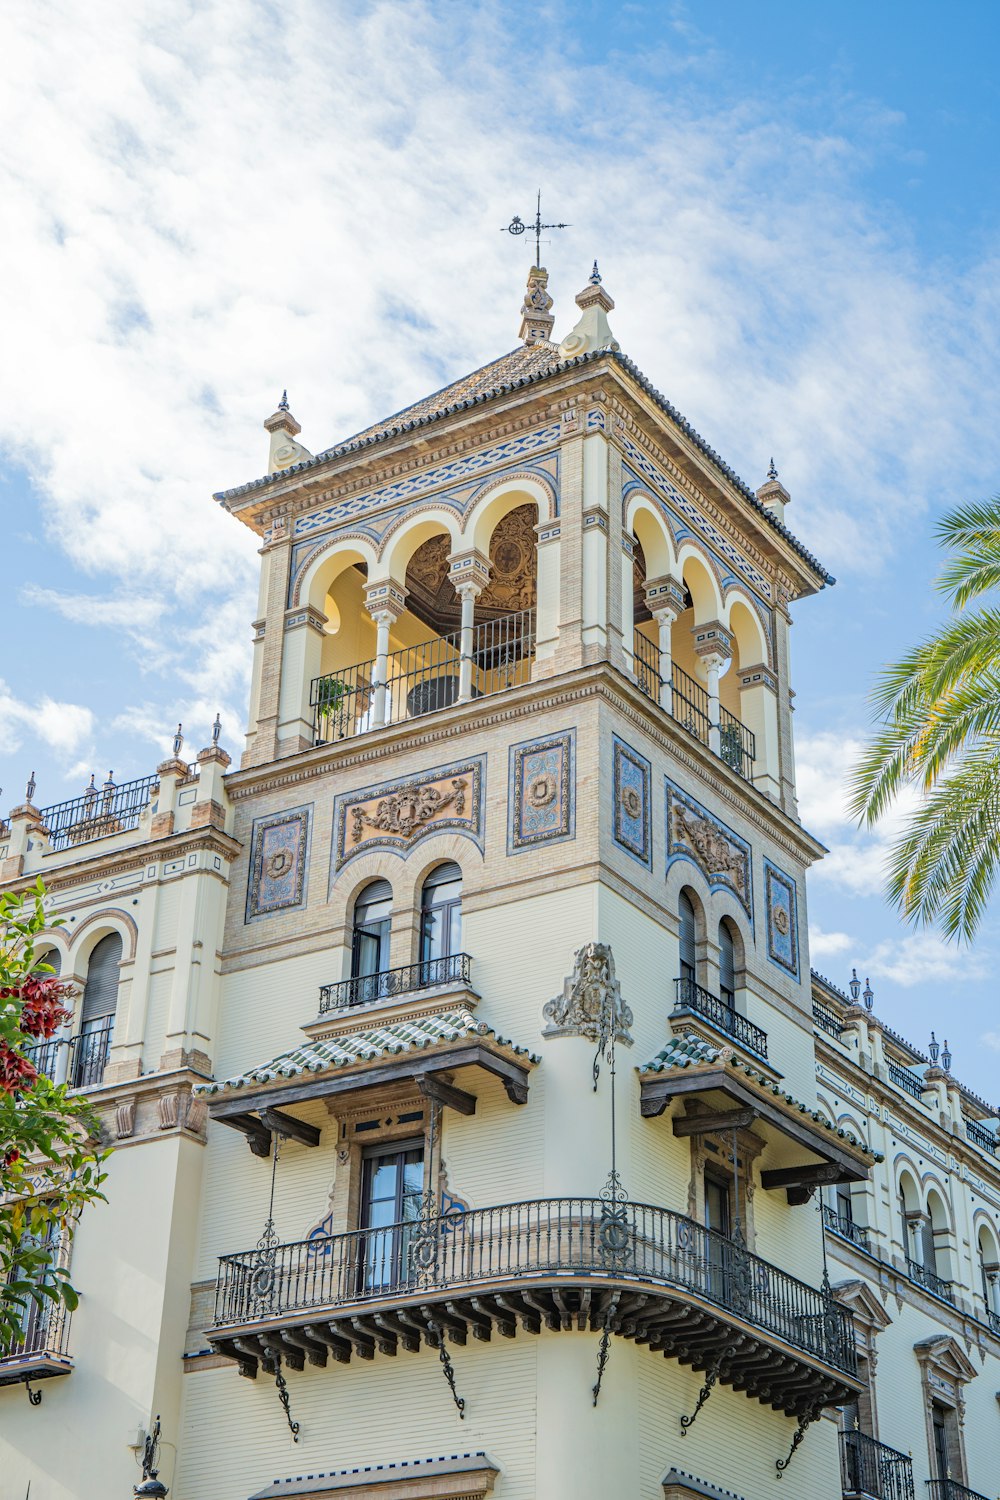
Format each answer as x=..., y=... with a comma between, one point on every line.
x=41, y=1011
x=11, y=1156
x=16, y=1072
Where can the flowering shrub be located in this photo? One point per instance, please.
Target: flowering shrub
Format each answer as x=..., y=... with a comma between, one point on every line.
x=50, y=1163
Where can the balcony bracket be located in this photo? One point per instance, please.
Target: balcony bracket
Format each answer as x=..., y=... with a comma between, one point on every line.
x=805, y=1422
x=447, y=1366
x=604, y=1348
x=276, y=1122
x=34, y=1397
x=711, y=1376
x=282, y=1386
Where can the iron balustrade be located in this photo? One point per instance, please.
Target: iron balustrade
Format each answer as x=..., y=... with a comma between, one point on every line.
x=646, y=655
x=364, y=989
x=993, y=1321
x=981, y=1136
x=528, y=1241
x=691, y=996
x=421, y=679
x=930, y=1280
x=689, y=707
x=905, y=1080
x=43, y=1330
x=689, y=704
x=45, y=1055
x=827, y=1021
x=99, y=812
x=874, y=1470
x=950, y=1489
x=737, y=744
x=89, y=1053
x=846, y=1228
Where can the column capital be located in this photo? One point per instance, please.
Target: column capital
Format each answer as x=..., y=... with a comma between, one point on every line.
x=468, y=569
x=385, y=596
x=665, y=595
x=759, y=675
x=713, y=640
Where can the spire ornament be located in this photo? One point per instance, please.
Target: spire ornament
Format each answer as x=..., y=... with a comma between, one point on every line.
x=517, y=226
x=536, y=309
x=592, y=330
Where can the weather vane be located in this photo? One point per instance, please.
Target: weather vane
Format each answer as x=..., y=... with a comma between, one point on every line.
x=518, y=226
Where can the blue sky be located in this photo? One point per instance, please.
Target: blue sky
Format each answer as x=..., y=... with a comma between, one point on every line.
x=793, y=204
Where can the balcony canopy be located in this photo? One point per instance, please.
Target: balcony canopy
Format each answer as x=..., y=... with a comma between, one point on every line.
x=417, y=1050
x=735, y=1094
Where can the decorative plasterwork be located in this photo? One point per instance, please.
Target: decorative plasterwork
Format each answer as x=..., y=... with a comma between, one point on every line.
x=542, y=791
x=586, y=993
x=721, y=855
x=278, y=859
x=782, y=919
x=632, y=812
x=399, y=813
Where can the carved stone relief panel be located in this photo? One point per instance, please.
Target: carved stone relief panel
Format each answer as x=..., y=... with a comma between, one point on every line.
x=400, y=813
x=720, y=854
x=587, y=992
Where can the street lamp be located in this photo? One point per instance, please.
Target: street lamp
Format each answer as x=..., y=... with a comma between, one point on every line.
x=151, y=1488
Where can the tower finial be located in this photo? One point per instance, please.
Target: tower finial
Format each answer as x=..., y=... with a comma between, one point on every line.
x=595, y=276
x=772, y=472
x=283, y=403
x=536, y=309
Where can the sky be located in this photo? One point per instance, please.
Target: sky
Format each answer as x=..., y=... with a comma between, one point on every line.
x=205, y=202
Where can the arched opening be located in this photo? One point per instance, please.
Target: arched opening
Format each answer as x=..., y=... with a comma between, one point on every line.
x=727, y=963
x=440, y=922
x=92, y=1044
x=934, y=1237
x=47, y=1054
x=370, y=937
x=989, y=1272
x=687, y=947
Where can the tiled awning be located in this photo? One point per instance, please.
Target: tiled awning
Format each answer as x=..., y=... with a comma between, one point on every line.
x=460, y=1474
x=735, y=1091
x=416, y=1050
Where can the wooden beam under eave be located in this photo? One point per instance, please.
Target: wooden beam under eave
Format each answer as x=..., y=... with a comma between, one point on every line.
x=710, y=1124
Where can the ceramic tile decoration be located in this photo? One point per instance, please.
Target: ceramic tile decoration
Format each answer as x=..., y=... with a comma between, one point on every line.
x=631, y=819
x=542, y=791
x=279, y=851
x=782, y=918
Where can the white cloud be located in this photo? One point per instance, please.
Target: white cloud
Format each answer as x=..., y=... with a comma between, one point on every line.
x=823, y=945
x=132, y=614
x=923, y=957
x=63, y=727
x=991, y=1039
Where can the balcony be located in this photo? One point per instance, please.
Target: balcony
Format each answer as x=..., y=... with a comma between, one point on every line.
x=421, y=679
x=649, y=1274
x=993, y=1322
x=870, y=1470
x=827, y=1021
x=390, y=984
x=40, y=1352
x=85, y=1059
x=905, y=1080
x=950, y=1489
x=846, y=1228
x=98, y=814
x=930, y=1280
x=980, y=1136
x=689, y=707
x=690, y=997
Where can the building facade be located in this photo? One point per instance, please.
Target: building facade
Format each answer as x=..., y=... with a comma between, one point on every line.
x=479, y=1125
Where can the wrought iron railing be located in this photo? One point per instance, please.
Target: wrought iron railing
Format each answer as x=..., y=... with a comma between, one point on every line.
x=99, y=812
x=43, y=1330
x=691, y=996
x=364, y=989
x=47, y=1055
x=737, y=744
x=981, y=1136
x=689, y=704
x=89, y=1053
x=555, y=1236
x=905, y=1080
x=689, y=707
x=420, y=679
x=846, y=1228
x=930, y=1280
x=646, y=654
x=872, y=1469
x=950, y=1489
x=827, y=1021
x=993, y=1321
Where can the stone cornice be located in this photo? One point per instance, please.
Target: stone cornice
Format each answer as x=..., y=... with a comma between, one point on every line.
x=133, y=857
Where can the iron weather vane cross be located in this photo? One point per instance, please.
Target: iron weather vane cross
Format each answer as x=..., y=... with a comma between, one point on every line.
x=517, y=226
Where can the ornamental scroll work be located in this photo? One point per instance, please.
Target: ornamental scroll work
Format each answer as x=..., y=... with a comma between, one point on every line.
x=585, y=997
x=399, y=813
x=720, y=854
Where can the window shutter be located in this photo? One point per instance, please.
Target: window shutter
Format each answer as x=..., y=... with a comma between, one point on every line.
x=100, y=995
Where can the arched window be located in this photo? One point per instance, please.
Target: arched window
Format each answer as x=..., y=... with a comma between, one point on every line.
x=688, y=939
x=52, y=960
x=97, y=1013
x=370, y=940
x=441, y=914
x=727, y=965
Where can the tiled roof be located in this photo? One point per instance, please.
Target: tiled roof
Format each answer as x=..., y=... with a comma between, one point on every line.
x=350, y=1048
x=372, y=1474
x=686, y=1052
x=525, y=366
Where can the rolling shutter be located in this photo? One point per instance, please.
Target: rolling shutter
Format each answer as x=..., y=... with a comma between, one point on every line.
x=100, y=996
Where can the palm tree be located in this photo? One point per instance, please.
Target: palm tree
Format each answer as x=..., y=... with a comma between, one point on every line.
x=939, y=713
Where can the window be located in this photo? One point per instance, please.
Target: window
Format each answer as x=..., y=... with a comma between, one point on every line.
x=97, y=1014
x=939, y=1429
x=727, y=966
x=441, y=914
x=370, y=941
x=688, y=939
x=392, y=1184
x=843, y=1203
x=717, y=1204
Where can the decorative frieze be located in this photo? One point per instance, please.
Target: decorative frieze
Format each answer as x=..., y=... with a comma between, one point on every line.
x=782, y=918
x=578, y=1011
x=399, y=813
x=278, y=858
x=632, y=814
x=721, y=855
x=542, y=791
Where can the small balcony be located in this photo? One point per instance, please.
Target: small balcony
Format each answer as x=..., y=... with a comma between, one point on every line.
x=99, y=812
x=424, y=678
x=905, y=1080
x=980, y=1136
x=689, y=707
x=846, y=1228
x=690, y=998
x=649, y=1274
x=40, y=1352
x=827, y=1021
x=993, y=1322
x=950, y=1489
x=452, y=972
x=78, y=1061
x=870, y=1470
x=930, y=1280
